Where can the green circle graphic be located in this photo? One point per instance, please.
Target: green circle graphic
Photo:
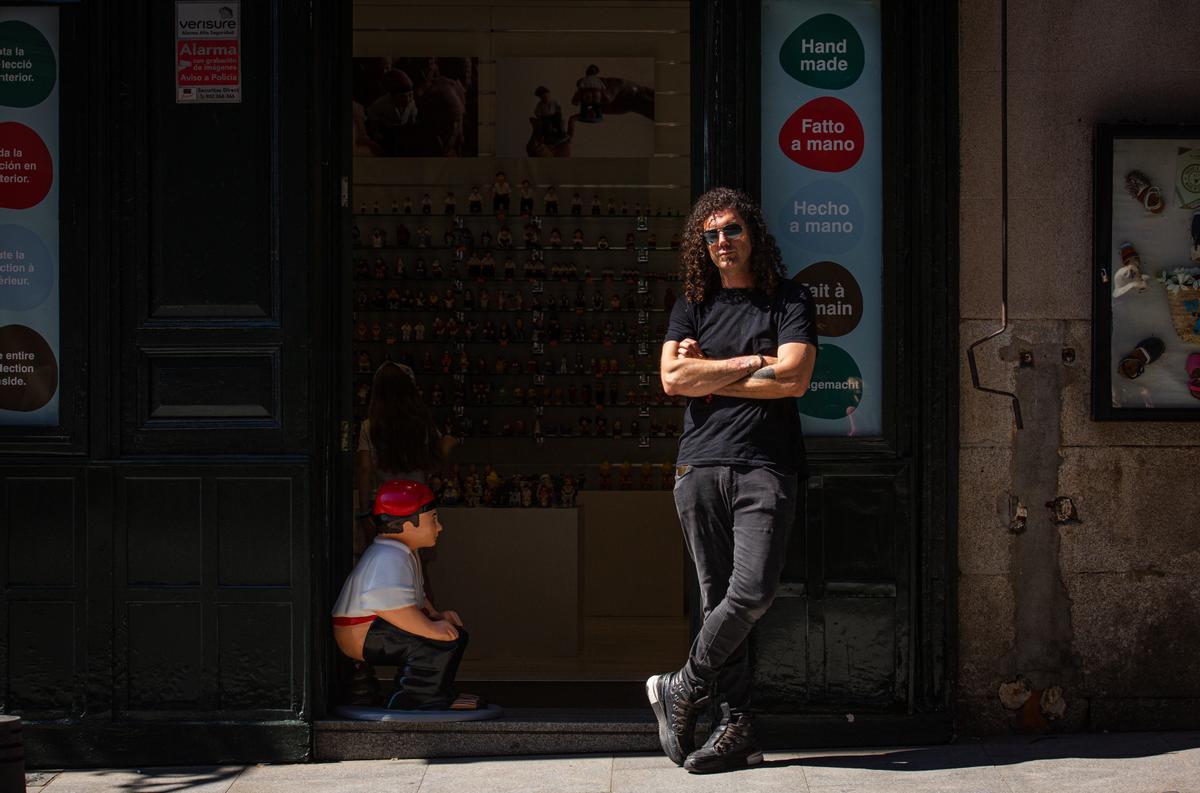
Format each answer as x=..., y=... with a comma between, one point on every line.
x=824, y=52
x=836, y=387
x=27, y=66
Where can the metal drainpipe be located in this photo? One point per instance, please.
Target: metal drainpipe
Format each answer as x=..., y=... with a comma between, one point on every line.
x=1016, y=403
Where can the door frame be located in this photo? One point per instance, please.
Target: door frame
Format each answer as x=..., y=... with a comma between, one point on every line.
x=920, y=49
x=921, y=349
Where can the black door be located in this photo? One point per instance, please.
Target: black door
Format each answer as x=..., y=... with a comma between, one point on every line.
x=158, y=592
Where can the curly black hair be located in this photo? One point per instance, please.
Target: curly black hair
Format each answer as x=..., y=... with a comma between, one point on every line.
x=700, y=274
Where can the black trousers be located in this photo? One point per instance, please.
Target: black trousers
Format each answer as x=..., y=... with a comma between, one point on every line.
x=736, y=521
x=426, y=668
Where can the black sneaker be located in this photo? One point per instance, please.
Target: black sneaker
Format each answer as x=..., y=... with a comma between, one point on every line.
x=732, y=745
x=676, y=707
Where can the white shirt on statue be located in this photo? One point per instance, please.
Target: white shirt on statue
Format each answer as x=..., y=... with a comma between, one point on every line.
x=388, y=576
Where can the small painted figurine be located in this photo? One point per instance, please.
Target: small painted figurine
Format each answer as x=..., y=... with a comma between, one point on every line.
x=501, y=193
x=605, y=475
x=545, y=491
x=568, y=492
x=526, y=197
x=646, y=477
x=626, y=477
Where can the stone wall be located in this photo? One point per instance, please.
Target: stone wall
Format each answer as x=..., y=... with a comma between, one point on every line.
x=1106, y=609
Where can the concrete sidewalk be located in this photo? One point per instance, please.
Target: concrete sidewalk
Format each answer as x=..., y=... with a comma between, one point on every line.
x=1111, y=763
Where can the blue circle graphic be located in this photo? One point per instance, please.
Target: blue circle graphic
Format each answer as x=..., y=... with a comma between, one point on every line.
x=824, y=216
x=26, y=269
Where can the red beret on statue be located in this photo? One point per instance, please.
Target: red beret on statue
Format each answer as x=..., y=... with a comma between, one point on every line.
x=402, y=498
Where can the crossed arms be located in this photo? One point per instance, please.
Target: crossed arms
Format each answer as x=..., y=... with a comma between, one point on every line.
x=686, y=371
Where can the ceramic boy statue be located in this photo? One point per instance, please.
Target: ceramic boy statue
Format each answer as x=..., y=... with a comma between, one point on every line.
x=382, y=615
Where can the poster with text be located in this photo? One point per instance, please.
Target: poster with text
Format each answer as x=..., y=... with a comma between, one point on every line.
x=822, y=186
x=416, y=106
x=208, y=51
x=29, y=266
x=575, y=107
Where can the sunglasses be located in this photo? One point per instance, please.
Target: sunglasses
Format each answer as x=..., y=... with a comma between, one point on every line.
x=731, y=232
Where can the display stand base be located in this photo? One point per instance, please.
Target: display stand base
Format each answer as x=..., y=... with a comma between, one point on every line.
x=360, y=713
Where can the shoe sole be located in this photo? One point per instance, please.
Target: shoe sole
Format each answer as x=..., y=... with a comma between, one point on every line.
x=660, y=714
x=718, y=766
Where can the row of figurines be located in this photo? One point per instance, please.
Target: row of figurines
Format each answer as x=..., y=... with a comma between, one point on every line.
x=587, y=426
x=484, y=267
x=501, y=203
x=486, y=488
x=596, y=393
x=463, y=242
x=450, y=299
x=539, y=331
x=599, y=366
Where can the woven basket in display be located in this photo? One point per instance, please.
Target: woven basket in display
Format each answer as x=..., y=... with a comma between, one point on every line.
x=1185, y=314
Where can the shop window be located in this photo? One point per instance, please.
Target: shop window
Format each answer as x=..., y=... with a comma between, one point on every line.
x=520, y=177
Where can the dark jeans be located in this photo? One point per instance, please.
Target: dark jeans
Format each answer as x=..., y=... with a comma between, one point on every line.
x=736, y=521
x=425, y=668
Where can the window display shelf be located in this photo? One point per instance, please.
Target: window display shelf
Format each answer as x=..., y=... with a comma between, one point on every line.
x=540, y=413
x=513, y=218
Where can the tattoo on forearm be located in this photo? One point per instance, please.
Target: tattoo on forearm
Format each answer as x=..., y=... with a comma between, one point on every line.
x=765, y=373
x=744, y=364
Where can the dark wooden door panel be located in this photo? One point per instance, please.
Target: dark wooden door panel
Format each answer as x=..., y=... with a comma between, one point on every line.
x=210, y=595
x=838, y=634
x=216, y=224
x=44, y=533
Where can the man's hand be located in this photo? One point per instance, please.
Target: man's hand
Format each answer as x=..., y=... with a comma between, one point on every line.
x=689, y=348
x=444, y=631
x=452, y=617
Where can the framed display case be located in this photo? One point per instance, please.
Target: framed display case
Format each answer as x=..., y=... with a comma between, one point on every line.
x=1146, y=315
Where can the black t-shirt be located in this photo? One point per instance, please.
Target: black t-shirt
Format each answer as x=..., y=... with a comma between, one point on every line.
x=720, y=430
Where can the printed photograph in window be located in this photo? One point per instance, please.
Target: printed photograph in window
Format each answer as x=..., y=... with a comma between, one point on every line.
x=575, y=107
x=416, y=107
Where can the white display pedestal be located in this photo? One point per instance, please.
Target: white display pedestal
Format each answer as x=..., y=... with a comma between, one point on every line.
x=513, y=575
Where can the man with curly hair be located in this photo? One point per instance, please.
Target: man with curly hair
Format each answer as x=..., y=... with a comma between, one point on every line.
x=741, y=347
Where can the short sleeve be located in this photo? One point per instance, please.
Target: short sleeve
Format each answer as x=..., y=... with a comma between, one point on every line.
x=798, y=316
x=681, y=325
x=364, y=438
